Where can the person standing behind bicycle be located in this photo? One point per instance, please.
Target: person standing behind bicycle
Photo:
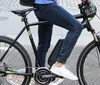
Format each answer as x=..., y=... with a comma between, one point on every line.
x=49, y=10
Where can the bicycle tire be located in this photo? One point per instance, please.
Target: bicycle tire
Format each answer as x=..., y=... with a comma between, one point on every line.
x=16, y=63
x=86, y=65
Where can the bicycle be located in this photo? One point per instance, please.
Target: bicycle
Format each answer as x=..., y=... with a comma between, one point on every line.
x=42, y=75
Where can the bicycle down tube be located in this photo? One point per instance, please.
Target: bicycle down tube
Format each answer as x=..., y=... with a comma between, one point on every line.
x=24, y=19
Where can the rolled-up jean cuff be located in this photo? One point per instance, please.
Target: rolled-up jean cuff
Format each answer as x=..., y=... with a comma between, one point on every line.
x=61, y=61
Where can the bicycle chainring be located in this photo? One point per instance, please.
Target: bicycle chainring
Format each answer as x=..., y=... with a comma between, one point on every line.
x=38, y=76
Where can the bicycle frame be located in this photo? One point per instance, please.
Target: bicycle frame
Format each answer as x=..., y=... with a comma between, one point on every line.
x=85, y=22
x=24, y=19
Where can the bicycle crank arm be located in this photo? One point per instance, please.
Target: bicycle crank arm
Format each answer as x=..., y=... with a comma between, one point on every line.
x=44, y=76
x=51, y=76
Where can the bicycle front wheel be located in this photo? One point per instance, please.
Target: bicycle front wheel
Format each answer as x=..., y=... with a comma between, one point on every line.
x=15, y=63
x=88, y=66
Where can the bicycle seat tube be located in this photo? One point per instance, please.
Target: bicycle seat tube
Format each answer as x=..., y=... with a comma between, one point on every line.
x=25, y=20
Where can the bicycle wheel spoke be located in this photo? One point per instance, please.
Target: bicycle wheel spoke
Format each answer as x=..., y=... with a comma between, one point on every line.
x=14, y=62
x=87, y=72
x=17, y=60
x=9, y=54
x=98, y=56
x=89, y=66
x=96, y=82
x=13, y=58
x=94, y=56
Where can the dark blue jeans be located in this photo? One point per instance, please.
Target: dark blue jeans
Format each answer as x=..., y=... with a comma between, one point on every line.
x=55, y=14
x=44, y=36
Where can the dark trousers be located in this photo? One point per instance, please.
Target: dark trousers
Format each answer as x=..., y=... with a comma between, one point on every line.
x=44, y=36
x=55, y=14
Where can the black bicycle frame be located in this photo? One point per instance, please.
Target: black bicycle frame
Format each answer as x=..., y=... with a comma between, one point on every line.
x=85, y=22
x=27, y=25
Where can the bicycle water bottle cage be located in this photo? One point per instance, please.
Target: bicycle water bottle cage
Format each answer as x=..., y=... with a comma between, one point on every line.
x=23, y=12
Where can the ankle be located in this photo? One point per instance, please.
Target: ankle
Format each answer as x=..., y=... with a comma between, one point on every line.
x=58, y=64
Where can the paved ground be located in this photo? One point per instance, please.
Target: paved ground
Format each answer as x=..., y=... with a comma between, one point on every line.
x=71, y=63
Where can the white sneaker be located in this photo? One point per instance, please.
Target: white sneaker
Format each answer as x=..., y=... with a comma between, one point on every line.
x=57, y=81
x=62, y=71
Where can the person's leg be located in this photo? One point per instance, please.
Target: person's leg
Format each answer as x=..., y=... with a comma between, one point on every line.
x=58, y=16
x=44, y=36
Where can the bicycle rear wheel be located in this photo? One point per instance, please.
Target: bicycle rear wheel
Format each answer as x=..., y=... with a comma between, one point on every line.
x=15, y=61
x=88, y=66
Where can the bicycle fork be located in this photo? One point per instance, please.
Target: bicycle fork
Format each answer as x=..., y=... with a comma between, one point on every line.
x=97, y=40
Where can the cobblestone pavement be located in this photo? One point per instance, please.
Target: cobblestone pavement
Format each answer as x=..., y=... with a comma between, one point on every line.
x=8, y=5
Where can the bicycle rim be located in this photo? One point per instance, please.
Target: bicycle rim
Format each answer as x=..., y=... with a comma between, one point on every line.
x=17, y=60
x=88, y=66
